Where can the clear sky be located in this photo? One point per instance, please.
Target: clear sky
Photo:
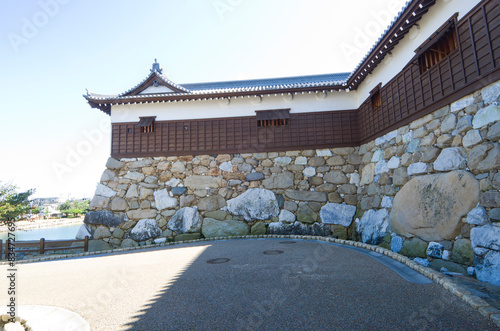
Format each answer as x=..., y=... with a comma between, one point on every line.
x=52, y=50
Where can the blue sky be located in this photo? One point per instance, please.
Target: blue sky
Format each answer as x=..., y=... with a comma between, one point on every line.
x=52, y=50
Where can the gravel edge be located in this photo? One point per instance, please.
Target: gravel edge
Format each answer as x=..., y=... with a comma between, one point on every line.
x=474, y=301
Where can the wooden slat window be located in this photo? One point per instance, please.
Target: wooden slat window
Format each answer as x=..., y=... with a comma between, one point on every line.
x=275, y=117
x=438, y=51
x=147, y=124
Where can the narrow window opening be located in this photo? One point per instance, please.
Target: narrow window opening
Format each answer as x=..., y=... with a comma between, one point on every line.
x=376, y=100
x=439, y=50
x=147, y=124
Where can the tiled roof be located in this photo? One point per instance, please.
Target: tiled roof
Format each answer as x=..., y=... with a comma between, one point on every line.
x=237, y=85
x=269, y=83
x=295, y=84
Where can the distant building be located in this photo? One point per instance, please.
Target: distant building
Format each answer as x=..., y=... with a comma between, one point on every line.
x=44, y=201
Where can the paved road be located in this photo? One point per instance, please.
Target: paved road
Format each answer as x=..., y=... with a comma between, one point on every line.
x=267, y=284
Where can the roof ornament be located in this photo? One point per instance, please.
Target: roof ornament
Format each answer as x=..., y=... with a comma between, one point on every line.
x=156, y=67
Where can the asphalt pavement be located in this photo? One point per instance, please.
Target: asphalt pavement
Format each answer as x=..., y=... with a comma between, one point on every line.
x=250, y=284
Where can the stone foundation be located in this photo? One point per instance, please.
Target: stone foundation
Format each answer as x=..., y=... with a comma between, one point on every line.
x=429, y=190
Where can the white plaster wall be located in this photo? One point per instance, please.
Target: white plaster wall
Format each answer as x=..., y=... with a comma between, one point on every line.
x=168, y=111
x=392, y=65
x=156, y=89
x=405, y=50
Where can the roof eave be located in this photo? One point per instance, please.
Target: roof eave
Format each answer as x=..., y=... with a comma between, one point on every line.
x=151, y=98
x=411, y=15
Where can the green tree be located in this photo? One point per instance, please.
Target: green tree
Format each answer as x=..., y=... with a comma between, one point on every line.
x=12, y=203
x=65, y=206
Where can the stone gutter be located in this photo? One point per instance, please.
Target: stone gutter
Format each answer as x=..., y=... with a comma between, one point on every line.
x=472, y=300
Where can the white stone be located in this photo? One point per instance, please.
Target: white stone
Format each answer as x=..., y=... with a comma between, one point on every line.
x=472, y=138
x=178, y=167
x=134, y=175
x=422, y=261
x=470, y=271
x=486, y=116
x=226, y=166
x=490, y=93
x=163, y=200
x=82, y=232
x=145, y=229
x=367, y=174
x=462, y=103
x=449, y=123
x=160, y=240
x=396, y=244
x=334, y=213
x=386, y=138
x=282, y=160
x=132, y=192
x=394, y=162
x=487, y=236
x=478, y=216
x=324, y=152
x=417, y=168
x=407, y=137
x=378, y=155
x=185, y=220
x=254, y=204
x=286, y=216
x=104, y=191
x=488, y=267
x=301, y=160
x=373, y=226
x=354, y=179
x=309, y=172
x=386, y=202
x=381, y=167
x=446, y=255
x=435, y=249
x=451, y=158
x=173, y=182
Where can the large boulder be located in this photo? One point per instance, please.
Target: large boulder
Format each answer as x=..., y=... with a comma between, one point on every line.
x=145, y=229
x=373, y=226
x=214, y=228
x=254, y=204
x=103, y=217
x=334, y=213
x=431, y=207
x=185, y=220
x=485, y=242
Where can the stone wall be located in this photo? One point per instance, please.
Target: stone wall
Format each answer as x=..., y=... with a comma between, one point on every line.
x=429, y=190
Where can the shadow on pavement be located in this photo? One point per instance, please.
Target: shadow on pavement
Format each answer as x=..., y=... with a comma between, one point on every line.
x=293, y=284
